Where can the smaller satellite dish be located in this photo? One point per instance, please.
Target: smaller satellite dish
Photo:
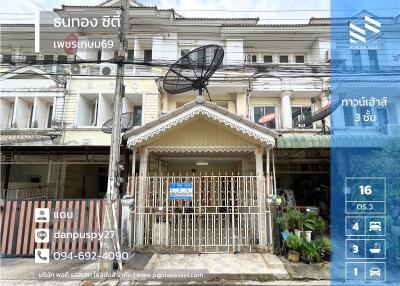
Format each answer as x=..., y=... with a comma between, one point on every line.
x=128, y=121
x=267, y=118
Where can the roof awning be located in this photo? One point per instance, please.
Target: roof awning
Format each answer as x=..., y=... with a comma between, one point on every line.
x=210, y=111
x=303, y=141
x=327, y=141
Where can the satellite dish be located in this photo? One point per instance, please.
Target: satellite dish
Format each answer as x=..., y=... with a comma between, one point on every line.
x=267, y=118
x=320, y=114
x=128, y=120
x=193, y=70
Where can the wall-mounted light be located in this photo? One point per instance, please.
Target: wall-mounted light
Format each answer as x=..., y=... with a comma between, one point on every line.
x=202, y=163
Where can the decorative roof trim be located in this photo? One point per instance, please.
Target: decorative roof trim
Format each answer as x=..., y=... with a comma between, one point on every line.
x=201, y=149
x=200, y=110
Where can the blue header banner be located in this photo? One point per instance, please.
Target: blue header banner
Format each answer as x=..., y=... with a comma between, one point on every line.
x=365, y=142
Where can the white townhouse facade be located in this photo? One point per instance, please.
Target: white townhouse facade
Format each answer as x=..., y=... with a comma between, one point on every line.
x=52, y=112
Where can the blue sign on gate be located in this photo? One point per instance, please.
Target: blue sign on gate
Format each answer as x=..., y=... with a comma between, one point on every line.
x=180, y=191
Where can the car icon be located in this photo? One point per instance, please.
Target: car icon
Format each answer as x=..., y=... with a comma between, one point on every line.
x=375, y=271
x=375, y=226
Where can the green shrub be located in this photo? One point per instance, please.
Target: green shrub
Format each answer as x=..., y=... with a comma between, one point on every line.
x=309, y=250
x=294, y=242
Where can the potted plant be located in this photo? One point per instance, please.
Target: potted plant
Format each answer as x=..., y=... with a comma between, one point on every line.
x=296, y=219
x=319, y=227
x=309, y=225
x=283, y=222
x=294, y=245
x=325, y=248
x=309, y=251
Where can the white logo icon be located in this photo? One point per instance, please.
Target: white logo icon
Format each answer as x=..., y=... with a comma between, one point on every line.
x=359, y=34
x=42, y=215
x=375, y=271
x=375, y=226
x=42, y=255
x=376, y=249
x=41, y=235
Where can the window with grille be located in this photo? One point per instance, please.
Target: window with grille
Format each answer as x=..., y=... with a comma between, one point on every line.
x=284, y=59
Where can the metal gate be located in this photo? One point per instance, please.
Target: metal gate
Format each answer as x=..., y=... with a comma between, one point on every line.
x=224, y=214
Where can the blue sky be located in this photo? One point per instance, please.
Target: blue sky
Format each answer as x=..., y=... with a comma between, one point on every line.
x=268, y=11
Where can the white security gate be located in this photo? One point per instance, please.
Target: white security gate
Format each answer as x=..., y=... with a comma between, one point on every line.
x=224, y=214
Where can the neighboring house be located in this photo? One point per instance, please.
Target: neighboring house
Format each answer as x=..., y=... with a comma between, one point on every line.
x=51, y=127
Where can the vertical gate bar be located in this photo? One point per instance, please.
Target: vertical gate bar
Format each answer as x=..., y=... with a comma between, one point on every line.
x=55, y=227
x=97, y=224
x=47, y=225
x=12, y=226
x=68, y=230
x=233, y=212
x=32, y=234
x=82, y=229
x=213, y=229
x=167, y=211
x=20, y=227
x=90, y=224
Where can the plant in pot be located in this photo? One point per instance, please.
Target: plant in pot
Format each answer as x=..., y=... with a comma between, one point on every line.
x=295, y=221
x=294, y=244
x=319, y=227
x=309, y=251
x=309, y=225
x=283, y=222
x=325, y=248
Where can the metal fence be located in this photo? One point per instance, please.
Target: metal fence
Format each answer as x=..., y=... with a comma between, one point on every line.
x=17, y=226
x=224, y=214
x=24, y=191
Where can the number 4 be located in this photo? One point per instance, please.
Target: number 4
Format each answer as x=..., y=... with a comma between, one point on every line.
x=356, y=227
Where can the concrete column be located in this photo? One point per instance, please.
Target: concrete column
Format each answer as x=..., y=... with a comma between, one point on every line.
x=286, y=109
x=325, y=97
x=164, y=99
x=269, y=194
x=133, y=179
x=267, y=171
x=140, y=203
x=126, y=223
x=261, y=199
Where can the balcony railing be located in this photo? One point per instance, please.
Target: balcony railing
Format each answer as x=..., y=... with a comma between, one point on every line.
x=23, y=191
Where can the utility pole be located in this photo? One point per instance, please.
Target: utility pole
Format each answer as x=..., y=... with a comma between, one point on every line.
x=112, y=244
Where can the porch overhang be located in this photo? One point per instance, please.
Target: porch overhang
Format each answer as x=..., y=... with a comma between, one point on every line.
x=262, y=136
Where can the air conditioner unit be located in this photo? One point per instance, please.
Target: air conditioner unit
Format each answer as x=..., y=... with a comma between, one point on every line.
x=107, y=70
x=327, y=56
x=75, y=69
x=299, y=118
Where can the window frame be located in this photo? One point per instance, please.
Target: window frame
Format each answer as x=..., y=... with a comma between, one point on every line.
x=277, y=114
x=302, y=106
x=299, y=55
x=268, y=55
x=284, y=55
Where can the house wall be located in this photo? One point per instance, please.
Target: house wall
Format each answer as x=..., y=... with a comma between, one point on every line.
x=201, y=133
x=22, y=112
x=40, y=113
x=6, y=110
x=22, y=173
